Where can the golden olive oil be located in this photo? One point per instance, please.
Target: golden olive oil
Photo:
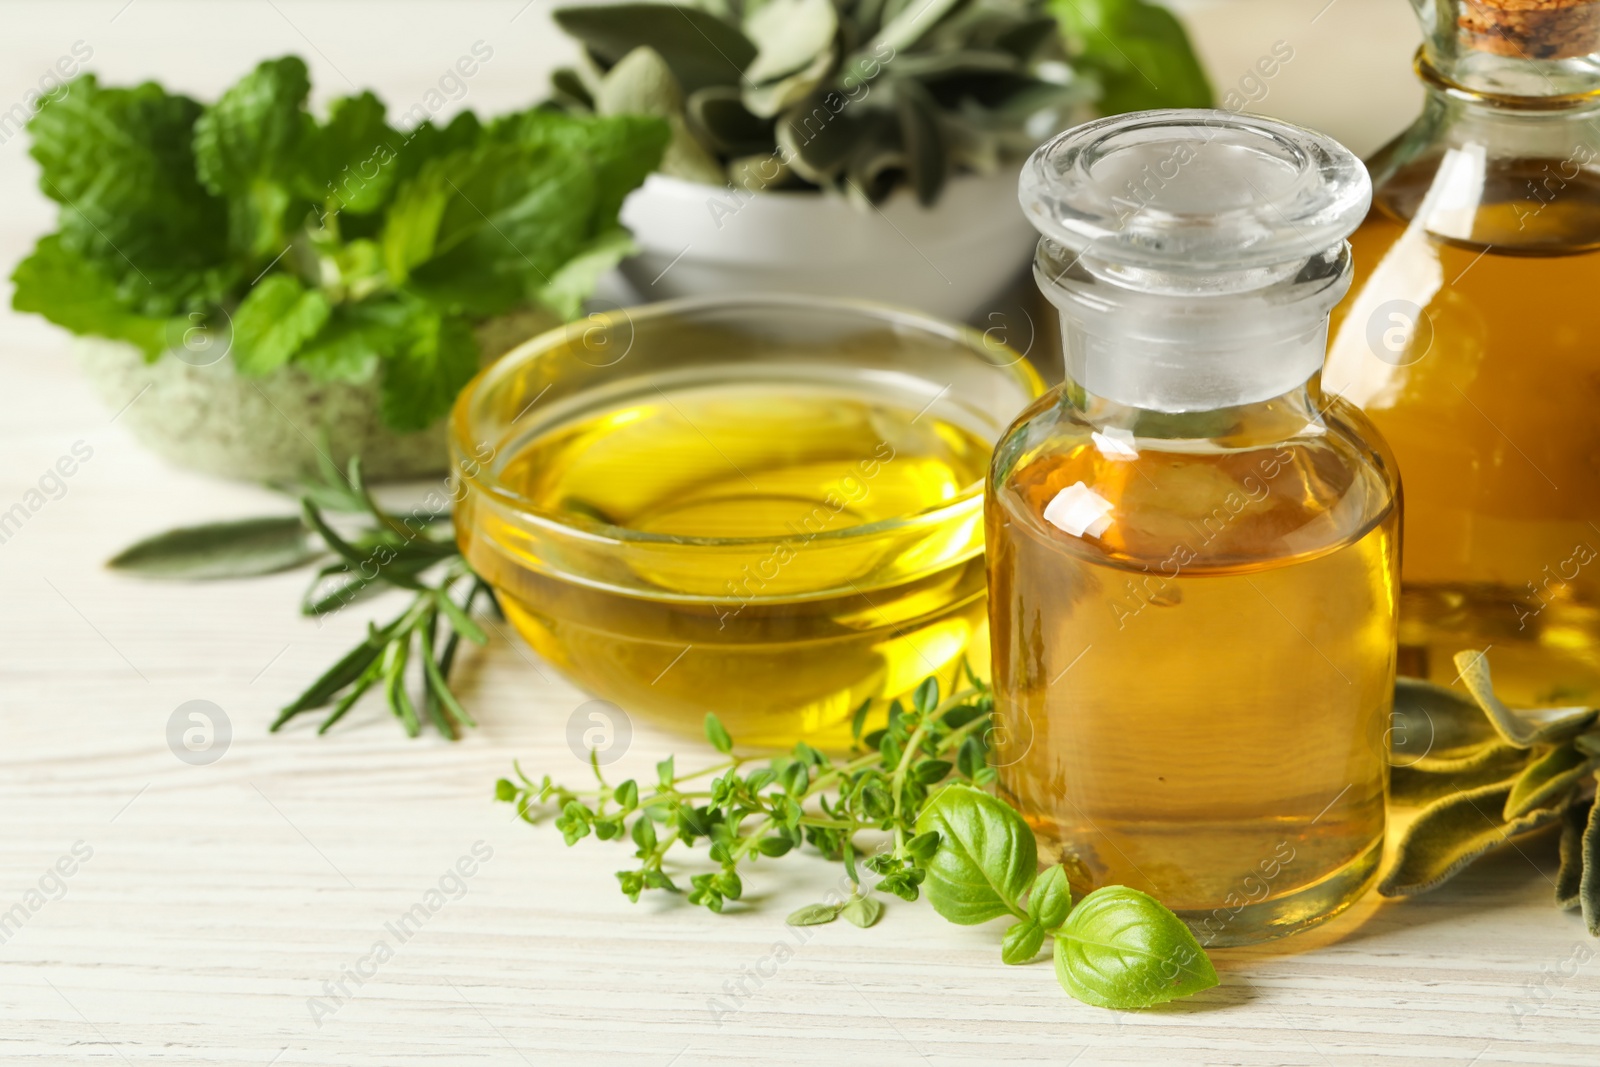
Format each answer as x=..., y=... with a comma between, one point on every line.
x=1490, y=406
x=1190, y=709
x=768, y=573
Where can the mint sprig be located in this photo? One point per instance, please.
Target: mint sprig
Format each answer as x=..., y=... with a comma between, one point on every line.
x=344, y=246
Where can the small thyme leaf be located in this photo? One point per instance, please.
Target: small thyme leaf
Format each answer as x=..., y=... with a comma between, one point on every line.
x=814, y=914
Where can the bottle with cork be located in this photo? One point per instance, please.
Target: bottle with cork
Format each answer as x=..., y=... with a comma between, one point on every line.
x=1470, y=339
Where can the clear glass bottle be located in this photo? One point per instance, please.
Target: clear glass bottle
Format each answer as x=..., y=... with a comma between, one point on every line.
x=1469, y=339
x=1192, y=550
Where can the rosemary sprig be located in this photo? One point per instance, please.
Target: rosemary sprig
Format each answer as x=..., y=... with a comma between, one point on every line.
x=368, y=551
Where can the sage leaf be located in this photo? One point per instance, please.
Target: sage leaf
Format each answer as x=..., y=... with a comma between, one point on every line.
x=788, y=35
x=700, y=48
x=814, y=915
x=1521, y=728
x=986, y=856
x=1451, y=833
x=1589, y=883
x=1022, y=942
x=863, y=911
x=1051, y=897
x=1434, y=728
x=240, y=549
x=1121, y=948
x=1546, y=780
x=1569, y=878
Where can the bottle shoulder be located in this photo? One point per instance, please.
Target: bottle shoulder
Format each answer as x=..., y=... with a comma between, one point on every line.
x=1234, y=491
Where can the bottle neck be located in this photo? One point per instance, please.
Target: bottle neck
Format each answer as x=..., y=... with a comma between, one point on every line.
x=1297, y=412
x=1517, y=50
x=1178, y=349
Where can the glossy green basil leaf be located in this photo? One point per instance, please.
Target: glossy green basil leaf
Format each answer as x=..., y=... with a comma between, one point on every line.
x=1022, y=942
x=986, y=859
x=1051, y=897
x=1121, y=948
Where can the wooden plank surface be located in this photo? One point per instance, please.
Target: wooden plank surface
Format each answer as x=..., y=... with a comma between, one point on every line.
x=211, y=909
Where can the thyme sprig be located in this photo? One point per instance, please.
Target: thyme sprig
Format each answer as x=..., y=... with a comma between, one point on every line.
x=751, y=806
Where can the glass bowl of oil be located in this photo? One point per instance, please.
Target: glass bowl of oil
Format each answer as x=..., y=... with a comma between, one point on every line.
x=767, y=507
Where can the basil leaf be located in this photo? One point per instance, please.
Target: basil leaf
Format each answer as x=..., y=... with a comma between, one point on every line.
x=1451, y=833
x=863, y=911
x=239, y=549
x=986, y=858
x=1022, y=942
x=1121, y=948
x=1051, y=897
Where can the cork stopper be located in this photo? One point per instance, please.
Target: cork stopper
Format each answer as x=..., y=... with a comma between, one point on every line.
x=1530, y=29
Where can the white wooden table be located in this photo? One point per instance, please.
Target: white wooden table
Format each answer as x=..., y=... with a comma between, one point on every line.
x=216, y=902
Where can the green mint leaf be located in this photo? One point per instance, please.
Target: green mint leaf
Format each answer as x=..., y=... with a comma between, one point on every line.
x=717, y=734
x=354, y=157
x=72, y=293
x=120, y=163
x=505, y=790
x=926, y=697
x=814, y=914
x=627, y=795
x=1138, y=51
x=240, y=549
x=251, y=147
x=274, y=320
x=863, y=911
x=931, y=771
x=986, y=857
x=422, y=376
x=574, y=282
x=1121, y=948
x=665, y=772
x=1050, y=898
x=355, y=339
x=1022, y=942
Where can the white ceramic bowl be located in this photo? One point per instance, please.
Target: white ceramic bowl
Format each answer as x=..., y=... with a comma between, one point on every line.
x=953, y=260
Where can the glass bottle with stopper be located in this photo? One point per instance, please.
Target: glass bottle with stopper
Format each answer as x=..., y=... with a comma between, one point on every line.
x=1192, y=550
x=1469, y=338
